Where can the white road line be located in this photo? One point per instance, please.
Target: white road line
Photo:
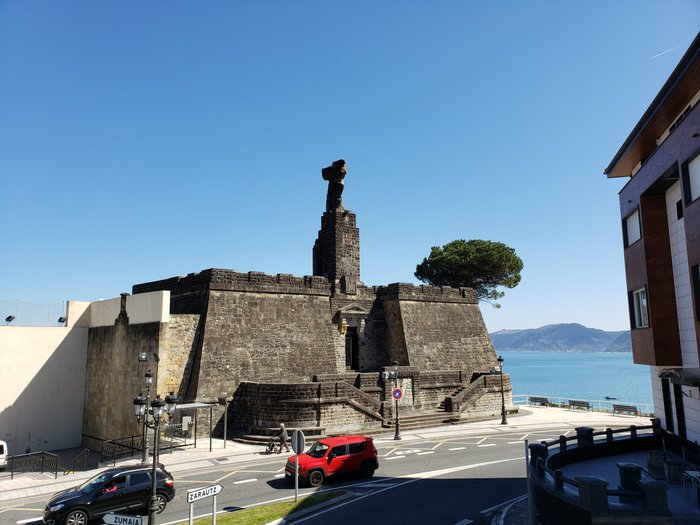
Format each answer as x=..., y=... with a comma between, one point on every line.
x=487, y=445
x=482, y=440
x=456, y=448
x=279, y=475
x=514, y=442
x=411, y=478
x=245, y=481
x=509, y=502
x=21, y=522
x=371, y=485
x=424, y=453
x=394, y=457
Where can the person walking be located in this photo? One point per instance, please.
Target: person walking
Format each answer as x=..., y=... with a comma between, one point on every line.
x=283, y=439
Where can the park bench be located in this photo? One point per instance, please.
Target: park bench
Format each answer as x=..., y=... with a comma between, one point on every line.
x=579, y=404
x=544, y=401
x=625, y=409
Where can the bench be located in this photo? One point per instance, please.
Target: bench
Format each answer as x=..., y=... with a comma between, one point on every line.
x=625, y=409
x=579, y=404
x=544, y=401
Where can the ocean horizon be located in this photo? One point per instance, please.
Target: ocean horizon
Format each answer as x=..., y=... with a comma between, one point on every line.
x=579, y=375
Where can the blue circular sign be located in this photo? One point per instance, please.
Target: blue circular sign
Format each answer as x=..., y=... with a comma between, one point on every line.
x=396, y=393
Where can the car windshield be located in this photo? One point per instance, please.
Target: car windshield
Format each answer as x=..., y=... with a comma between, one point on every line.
x=317, y=450
x=93, y=484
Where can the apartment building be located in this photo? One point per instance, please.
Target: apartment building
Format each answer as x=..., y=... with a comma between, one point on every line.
x=660, y=212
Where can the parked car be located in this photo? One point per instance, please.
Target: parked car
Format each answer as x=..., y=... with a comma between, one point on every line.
x=3, y=455
x=334, y=455
x=121, y=490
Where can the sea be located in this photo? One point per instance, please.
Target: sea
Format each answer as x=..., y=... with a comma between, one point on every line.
x=589, y=376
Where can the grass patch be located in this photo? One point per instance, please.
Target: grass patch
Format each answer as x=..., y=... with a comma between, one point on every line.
x=266, y=513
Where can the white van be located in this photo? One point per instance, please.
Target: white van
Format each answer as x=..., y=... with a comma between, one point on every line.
x=3, y=455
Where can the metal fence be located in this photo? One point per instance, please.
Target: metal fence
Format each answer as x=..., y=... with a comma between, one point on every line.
x=30, y=314
x=42, y=462
x=597, y=405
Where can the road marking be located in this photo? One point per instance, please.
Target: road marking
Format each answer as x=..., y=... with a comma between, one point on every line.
x=524, y=436
x=437, y=445
x=380, y=485
x=482, y=440
x=424, y=453
x=410, y=478
x=505, y=511
x=509, y=502
x=30, y=520
x=394, y=457
x=245, y=481
x=514, y=442
x=456, y=448
x=280, y=475
x=487, y=445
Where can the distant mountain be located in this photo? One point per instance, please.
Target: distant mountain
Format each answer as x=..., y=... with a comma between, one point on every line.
x=570, y=337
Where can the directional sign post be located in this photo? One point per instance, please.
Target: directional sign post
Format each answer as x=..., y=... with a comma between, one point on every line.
x=121, y=519
x=298, y=442
x=204, y=492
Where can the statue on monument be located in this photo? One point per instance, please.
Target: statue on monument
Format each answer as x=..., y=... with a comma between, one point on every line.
x=335, y=174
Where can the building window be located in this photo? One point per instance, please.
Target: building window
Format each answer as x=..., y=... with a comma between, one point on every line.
x=640, y=309
x=695, y=276
x=631, y=228
x=691, y=180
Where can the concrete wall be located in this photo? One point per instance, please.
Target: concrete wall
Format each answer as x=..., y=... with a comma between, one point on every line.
x=42, y=386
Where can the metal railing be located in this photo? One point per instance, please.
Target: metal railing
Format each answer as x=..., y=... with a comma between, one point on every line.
x=34, y=462
x=84, y=454
x=597, y=405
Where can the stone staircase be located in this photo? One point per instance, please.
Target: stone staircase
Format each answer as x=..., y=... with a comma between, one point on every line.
x=262, y=435
x=423, y=419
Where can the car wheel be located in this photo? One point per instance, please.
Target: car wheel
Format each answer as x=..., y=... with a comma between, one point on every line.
x=76, y=517
x=161, y=502
x=367, y=469
x=315, y=478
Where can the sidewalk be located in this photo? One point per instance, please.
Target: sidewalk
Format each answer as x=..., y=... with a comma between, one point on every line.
x=188, y=458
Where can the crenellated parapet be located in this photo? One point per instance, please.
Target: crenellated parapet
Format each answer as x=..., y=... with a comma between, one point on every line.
x=229, y=280
x=439, y=294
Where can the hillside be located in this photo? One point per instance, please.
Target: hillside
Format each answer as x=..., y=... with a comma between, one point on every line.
x=571, y=337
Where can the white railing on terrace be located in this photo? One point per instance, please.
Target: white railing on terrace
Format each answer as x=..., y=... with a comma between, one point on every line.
x=599, y=405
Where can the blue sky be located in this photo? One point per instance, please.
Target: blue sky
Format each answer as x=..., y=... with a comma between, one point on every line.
x=144, y=140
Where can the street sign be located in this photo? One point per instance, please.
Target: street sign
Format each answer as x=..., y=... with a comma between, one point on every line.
x=397, y=393
x=197, y=494
x=298, y=441
x=121, y=519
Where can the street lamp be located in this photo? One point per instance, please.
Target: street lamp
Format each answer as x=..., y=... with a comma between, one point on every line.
x=504, y=421
x=394, y=374
x=158, y=407
x=148, y=381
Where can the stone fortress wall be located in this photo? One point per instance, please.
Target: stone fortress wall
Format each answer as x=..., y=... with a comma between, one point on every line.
x=307, y=351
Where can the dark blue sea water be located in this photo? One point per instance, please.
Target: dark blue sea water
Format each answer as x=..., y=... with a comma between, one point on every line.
x=577, y=375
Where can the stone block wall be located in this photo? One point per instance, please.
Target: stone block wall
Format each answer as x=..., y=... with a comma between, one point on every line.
x=182, y=336
x=334, y=406
x=264, y=337
x=114, y=378
x=437, y=328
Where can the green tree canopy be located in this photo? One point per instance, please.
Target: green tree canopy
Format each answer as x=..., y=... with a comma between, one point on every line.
x=482, y=265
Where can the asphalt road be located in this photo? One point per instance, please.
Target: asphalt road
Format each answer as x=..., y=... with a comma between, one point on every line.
x=440, y=480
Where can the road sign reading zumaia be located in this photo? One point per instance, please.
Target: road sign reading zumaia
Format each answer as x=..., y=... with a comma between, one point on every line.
x=197, y=494
x=396, y=394
x=120, y=519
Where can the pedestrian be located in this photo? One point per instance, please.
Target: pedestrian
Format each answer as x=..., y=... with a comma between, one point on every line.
x=283, y=439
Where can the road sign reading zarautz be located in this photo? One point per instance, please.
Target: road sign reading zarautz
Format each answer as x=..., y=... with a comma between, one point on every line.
x=196, y=494
x=120, y=519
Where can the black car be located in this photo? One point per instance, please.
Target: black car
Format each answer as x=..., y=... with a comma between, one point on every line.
x=120, y=490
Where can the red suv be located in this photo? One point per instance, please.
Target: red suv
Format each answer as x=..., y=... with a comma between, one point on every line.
x=334, y=455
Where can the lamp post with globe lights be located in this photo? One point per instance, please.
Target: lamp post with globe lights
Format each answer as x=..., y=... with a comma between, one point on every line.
x=158, y=408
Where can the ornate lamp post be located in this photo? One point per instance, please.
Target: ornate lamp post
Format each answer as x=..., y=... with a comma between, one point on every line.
x=158, y=406
x=148, y=381
x=504, y=421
